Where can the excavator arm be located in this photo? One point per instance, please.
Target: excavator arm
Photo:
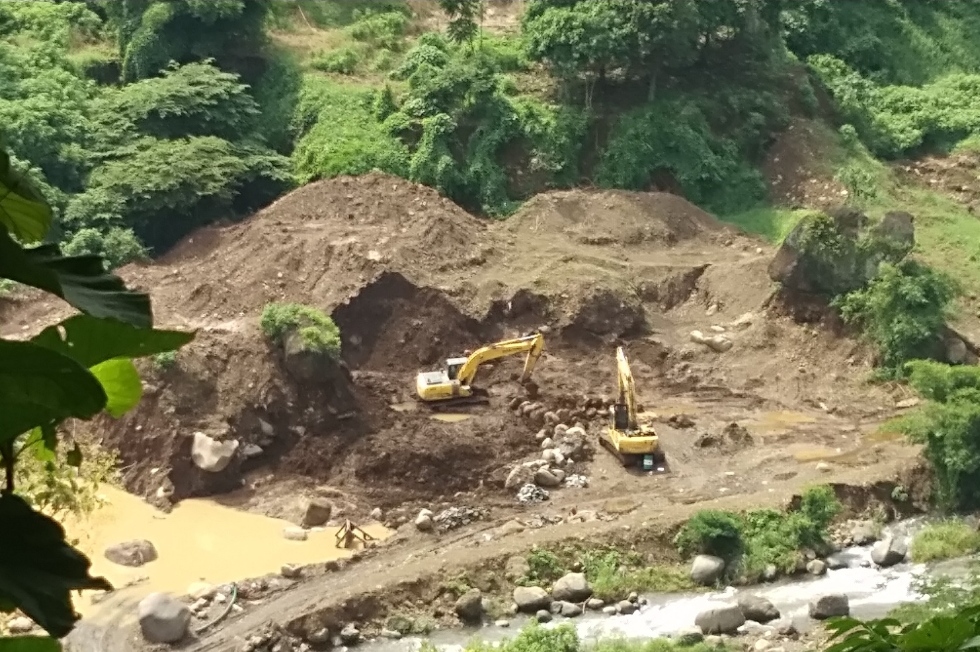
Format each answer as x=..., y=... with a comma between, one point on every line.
x=532, y=344
x=627, y=389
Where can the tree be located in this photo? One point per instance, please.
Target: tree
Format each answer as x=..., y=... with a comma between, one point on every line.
x=76, y=369
x=465, y=18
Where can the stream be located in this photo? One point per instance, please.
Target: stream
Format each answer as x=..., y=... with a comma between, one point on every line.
x=872, y=593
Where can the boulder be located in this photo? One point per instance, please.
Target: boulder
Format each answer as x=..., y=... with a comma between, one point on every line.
x=423, y=522
x=720, y=620
x=545, y=478
x=530, y=599
x=829, y=606
x=519, y=476
x=131, y=553
x=816, y=567
x=574, y=444
x=212, y=455
x=469, y=607
x=717, y=343
x=626, y=607
x=570, y=610
x=594, y=604
x=889, y=551
x=317, y=512
x=350, y=635
x=706, y=570
x=757, y=608
x=543, y=616
x=163, y=618
x=864, y=533
x=573, y=587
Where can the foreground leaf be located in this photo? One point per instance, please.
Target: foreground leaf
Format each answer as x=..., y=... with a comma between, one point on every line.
x=40, y=388
x=29, y=644
x=91, y=340
x=121, y=383
x=38, y=569
x=80, y=280
x=23, y=210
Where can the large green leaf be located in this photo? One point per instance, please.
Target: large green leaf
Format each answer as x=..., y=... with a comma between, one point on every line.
x=121, y=383
x=40, y=388
x=80, y=280
x=29, y=644
x=23, y=210
x=38, y=569
x=91, y=340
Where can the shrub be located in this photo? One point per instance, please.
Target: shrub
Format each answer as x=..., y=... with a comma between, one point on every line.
x=344, y=61
x=946, y=540
x=317, y=331
x=116, y=246
x=544, y=566
x=711, y=532
x=165, y=360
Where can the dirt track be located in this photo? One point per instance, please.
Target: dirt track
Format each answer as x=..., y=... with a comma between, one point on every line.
x=410, y=279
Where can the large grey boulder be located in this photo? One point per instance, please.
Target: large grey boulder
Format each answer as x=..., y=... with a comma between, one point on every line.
x=531, y=599
x=570, y=610
x=574, y=444
x=720, y=620
x=469, y=606
x=706, y=570
x=212, y=455
x=757, y=608
x=163, y=618
x=829, y=606
x=889, y=551
x=573, y=587
x=131, y=553
x=317, y=512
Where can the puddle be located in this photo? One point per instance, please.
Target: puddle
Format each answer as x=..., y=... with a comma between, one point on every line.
x=451, y=417
x=199, y=541
x=778, y=422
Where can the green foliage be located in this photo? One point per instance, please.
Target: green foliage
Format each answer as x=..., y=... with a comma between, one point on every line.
x=465, y=18
x=940, y=633
x=949, y=427
x=613, y=575
x=943, y=593
x=78, y=368
x=116, y=246
x=544, y=566
x=344, y=61
x=902, y=311
x=944, y=540
x=752, y=541
x=317, y=331
x=165, y=360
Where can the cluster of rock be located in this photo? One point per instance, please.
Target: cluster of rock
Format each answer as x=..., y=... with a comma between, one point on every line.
x=449, y=518
x=561, y=446
x=719, y=338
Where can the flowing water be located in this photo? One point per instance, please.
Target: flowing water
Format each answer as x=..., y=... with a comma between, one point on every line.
x=199, y=541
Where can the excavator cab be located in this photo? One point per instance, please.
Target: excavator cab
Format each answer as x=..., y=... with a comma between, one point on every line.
x=453, y=365
x=621, y=417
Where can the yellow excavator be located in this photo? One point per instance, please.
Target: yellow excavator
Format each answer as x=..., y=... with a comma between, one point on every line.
x=452, y=385
x=632, y=443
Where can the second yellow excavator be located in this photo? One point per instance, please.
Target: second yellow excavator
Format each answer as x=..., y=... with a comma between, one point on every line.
x=452, y=385
x=632, y=443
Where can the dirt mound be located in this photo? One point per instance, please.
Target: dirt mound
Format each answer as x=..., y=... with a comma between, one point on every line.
x=613, y=217
x=797, y=171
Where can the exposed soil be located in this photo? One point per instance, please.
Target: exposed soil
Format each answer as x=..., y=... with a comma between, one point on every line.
x=797, y=171
x=957, y=176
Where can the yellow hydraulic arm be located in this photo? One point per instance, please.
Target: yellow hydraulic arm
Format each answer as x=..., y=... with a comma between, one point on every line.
x=627, y=391
x=533, y=344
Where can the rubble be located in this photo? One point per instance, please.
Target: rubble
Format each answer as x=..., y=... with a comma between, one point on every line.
x=454, y=517
x=530, y=494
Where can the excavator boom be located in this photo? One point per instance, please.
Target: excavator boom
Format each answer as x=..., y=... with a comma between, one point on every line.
x=454, y=382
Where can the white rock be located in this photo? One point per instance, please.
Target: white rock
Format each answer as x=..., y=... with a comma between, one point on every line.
x=163, y=619
x=212, y=455
x=294, y=533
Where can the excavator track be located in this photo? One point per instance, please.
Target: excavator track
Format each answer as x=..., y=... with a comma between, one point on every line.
x=479, y=397
x=629, y=461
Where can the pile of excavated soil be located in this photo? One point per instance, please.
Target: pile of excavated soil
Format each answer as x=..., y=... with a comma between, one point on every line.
x=796, y=168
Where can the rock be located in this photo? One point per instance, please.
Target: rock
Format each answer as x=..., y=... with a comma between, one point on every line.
x=706, y=570
x=519, y=476
x=717, y=343
x=788, y=631
x=558, y=473
x=376, y=514
x=816, y=567
x=770, y=573
x=634, y=597
x=530, y=599
x=350, y=635
x=530, y=494
x=317, y=513
x=543, y=616
x=829, y=606
x=423, y=522
x=574, y=444
x=390, y=634
x=212, y=455
x=720, y=620
x=761, y=645
x=889, y=551
x=293, y=533
x=757, y=608
x=502, y=623
x=291, y=571
x=625, y=607
x=163, y=618
x=469, y=606
x=689, y=636
x=610, y=610
x=545, y=478
x=20, y=625
x=547, y=443
x=251, y=451
x=836, y=562
x=200, y=591
x=131, y=553
x=516, y=568
x=573, y=587
x=399, y=624
x=570, y=610
x=823, y=467
x=864, y=533
x=594, y=604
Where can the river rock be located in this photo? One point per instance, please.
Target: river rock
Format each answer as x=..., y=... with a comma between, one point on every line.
x=570, y=609
x=829, y=606
x=816, y=567
x=350, y=635
x=757, y=608
x=163, y=619
x=889, y=551
x=543, y=616
x=20, y=625
x=573, y=587
x=706, y=569
x=545, y=478
x=530, y=599
x=316, y=513
x=291, y=571
x=469, y=606
x=720, y=620
x=626, y=607
x=609, y=610
x=293, y=533
x=131, y=553
x=210, y=454
x=689, y=636
x=594, y=604
x=502, y=623
x=864, y=533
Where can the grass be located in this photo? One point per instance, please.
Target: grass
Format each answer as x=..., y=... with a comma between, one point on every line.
x=609, y=584
x=945, y=540
x=772, y=223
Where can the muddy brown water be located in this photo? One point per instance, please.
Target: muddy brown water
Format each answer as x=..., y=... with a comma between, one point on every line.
x=199, y=541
